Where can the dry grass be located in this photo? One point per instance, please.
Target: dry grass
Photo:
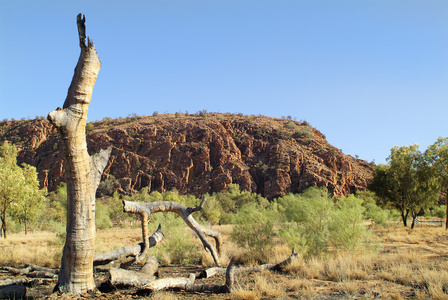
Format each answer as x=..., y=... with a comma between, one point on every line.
x=410, y=265
x=40, y=248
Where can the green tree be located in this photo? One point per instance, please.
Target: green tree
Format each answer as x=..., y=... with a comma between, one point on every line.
x=406, y=183
x=11, y=181
x=437, y=157
x=29, y=207
x=19, y=188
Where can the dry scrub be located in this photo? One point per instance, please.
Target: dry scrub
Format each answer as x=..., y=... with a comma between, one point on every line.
x=408, y=265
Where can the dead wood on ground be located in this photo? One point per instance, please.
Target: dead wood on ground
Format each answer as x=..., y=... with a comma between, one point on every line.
x=184, y=212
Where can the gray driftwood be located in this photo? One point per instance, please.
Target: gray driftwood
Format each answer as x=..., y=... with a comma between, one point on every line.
x=274, y=267
x=128, y=278
x=32, y=271
x=184, y=212
x=188, y=284
x=130, y=251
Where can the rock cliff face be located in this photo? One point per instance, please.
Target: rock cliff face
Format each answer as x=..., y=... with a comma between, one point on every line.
x=199, y=153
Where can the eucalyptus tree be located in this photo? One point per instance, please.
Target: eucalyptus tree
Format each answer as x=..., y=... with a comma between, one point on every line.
x=407, y=183
x=30, y=206
x=20, y=195
x=437, y=157
x=11, y=181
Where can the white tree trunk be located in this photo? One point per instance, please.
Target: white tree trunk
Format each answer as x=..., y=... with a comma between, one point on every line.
x=82, y=172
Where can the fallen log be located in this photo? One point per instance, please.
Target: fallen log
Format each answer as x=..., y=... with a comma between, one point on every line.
x=274, y=267
x=127, y=278
x=185, y=212
x=128, y=251
x=43, y=269
x=32, y=271
x=188, y=285
x=12, y=291
x=26, y=281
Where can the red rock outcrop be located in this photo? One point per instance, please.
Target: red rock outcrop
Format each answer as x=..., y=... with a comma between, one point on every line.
x=199, y=153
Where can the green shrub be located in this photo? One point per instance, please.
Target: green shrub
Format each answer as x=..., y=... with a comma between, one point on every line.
x=102, y=216
x=439, y=211
x=377, y=214
x=348, y=231
x=180, y=245
x=291, y=125
x=314, y=222
x=254, y=229
x=89, y=127
x=302, y=133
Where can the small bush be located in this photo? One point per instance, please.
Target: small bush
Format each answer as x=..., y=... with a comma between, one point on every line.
x=291, y=125
x=348, y=231
x=89, y=127
x=302, y=133
x=102, y=216
x=439, y=212
x=180, y=245
x=254, y=230
x=377, y=214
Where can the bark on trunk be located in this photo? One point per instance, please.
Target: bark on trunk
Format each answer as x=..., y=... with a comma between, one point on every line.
x=3, y=231
x=404, y=217
x=82, y=172
x=185, y=212
x=446, y=215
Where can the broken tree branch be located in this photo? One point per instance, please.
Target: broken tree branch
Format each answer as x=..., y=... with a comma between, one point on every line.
x=274, y=267
x=32, y=271
x=127, y=278
x=188, y=285
x=134, y=251
x=184, y=212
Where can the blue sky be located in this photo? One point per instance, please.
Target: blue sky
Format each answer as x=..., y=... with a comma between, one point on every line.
x=369, y=74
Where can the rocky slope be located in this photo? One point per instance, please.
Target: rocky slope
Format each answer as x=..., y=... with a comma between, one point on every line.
x=199, y=153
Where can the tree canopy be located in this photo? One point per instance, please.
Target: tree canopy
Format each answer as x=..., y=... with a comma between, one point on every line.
x=19, y=189
x=407, y=183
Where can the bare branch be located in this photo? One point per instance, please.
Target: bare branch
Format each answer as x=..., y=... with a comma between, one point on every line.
x=185, y=212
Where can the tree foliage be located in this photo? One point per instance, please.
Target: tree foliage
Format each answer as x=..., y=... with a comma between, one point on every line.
x=407, y=183
x=19, y=188
x=437, y=157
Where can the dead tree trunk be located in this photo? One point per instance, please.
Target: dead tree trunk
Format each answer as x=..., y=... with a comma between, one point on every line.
x=127, y=278
x=82, y=172
x=274, y=267
x=185, y=212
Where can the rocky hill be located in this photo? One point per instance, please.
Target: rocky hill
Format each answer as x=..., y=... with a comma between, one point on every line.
x=199, y=153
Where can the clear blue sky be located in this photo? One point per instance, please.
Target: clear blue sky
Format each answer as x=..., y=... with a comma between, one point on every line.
x=369, y=74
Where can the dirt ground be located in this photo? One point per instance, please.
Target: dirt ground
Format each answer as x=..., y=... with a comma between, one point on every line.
x=421, y=248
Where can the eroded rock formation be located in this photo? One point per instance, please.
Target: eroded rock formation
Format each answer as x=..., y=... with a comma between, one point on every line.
x=199, y=153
